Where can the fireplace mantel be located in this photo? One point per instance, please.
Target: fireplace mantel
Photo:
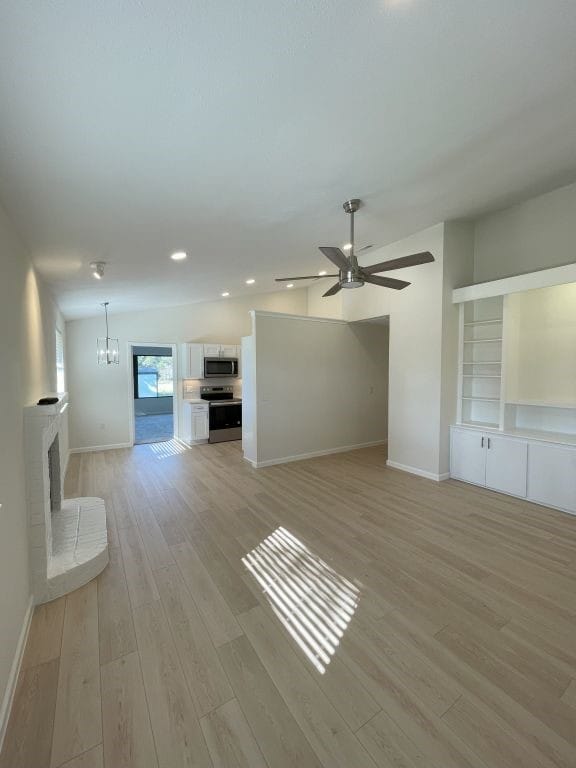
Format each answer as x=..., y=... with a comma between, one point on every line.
x=68, y=544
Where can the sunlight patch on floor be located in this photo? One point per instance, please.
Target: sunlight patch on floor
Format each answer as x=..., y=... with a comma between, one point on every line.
x=310, y=598
x=168, y=448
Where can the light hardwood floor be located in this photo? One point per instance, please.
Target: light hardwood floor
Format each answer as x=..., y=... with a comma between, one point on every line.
x=456, y=609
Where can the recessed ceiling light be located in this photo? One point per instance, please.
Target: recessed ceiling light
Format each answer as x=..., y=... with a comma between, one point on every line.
x=250, y=281
x=225, y=294
x=179, y=256
x=290, y=285
x=347, y=247
x=323, y=272
x=97, y=268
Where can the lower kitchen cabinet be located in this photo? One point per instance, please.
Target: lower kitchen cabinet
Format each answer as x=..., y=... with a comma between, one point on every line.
x=196, y=422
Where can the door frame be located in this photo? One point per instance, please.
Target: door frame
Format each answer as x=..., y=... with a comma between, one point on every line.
x=176, y=405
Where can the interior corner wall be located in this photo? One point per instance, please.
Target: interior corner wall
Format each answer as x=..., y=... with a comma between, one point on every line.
x=28, y=318
x=321, y=386
x=101, y=397
x=414, y=411
x=537, y=234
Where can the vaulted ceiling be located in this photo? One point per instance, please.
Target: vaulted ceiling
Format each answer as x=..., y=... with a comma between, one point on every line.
x=234, y=130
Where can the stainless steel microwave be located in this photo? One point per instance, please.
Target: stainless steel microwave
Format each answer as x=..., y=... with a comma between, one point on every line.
x=220, y=367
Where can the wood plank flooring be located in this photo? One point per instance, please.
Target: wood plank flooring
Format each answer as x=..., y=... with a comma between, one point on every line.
x=322, y=614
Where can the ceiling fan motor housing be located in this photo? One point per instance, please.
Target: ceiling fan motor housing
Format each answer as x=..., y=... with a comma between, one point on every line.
x=351, y=278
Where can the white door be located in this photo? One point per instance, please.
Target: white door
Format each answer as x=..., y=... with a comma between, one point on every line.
x=211, y=350
x=552, y=475
x=506, y=465
x=228, y=350
x=468, y=456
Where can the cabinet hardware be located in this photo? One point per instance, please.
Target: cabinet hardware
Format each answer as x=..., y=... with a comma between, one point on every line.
x=488, y=442
x=482, y=443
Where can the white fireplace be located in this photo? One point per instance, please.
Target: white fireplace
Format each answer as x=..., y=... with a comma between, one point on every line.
x=68, y=537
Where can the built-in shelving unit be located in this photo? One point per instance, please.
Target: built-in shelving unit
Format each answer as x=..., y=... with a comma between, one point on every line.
x=553, y=422
x=480, y=368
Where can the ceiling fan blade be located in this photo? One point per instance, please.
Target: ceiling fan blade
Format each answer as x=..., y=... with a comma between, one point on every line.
x=403, y=261
x=336, y=256
x=331, y=291
x=385, y=282
x=305, y=277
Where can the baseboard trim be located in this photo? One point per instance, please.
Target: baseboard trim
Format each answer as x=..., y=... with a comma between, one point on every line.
x=111, y=447
x=8, y=699
x=417, y=471
x=314, y=454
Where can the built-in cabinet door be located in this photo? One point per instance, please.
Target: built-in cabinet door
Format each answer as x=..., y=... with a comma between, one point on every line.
x=506, y=464
x=552, y=475
x=212, y=350
x=468, y=456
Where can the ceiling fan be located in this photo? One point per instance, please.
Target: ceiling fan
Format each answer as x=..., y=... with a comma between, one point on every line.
x=351, y=274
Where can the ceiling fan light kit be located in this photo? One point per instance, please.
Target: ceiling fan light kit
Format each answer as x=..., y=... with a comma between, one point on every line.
x=351, y=274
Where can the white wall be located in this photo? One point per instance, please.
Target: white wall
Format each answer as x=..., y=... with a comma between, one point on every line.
x=416, y=315
x=331, y=306
x=320, y=385
x=536, y=234
x=28, y=318
x=541, y=353
x=100, y=398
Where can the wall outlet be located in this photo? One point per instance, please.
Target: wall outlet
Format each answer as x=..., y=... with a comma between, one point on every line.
x=102, y=426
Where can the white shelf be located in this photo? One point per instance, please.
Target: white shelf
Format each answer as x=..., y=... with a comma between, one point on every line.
x=479, y=424
x=482, y=399
x=481, y=341
x=481, y=376
x=541, y=404
x=540, y=434
x=484, y=322
x=481, y=362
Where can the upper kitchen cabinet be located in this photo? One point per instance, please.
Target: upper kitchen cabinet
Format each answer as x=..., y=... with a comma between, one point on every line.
x=192, y=357
x=212, y=350
x=192, y=361
x=220, y=350
x=228, y=350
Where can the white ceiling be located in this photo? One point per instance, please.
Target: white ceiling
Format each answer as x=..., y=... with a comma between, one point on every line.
x=235, y=129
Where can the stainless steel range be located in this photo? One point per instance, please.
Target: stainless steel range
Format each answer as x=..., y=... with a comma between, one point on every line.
x=224, y=413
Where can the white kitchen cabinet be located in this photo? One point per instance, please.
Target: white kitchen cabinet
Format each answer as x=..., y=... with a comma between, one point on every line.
x=552, y=475
x=506, y=464
x=212, y=350
x=483, y=458
x=228, y=350
x=196, y=422
x=192, y=360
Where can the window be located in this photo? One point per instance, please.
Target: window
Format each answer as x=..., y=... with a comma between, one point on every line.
x=153, y=376
x=60, y=373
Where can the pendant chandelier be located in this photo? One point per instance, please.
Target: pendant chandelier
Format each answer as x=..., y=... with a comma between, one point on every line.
x=107, y=348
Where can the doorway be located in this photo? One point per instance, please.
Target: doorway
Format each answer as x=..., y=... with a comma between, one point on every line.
x=153, y=393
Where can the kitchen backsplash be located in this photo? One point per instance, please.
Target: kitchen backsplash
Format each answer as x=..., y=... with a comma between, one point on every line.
x=191, y=387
